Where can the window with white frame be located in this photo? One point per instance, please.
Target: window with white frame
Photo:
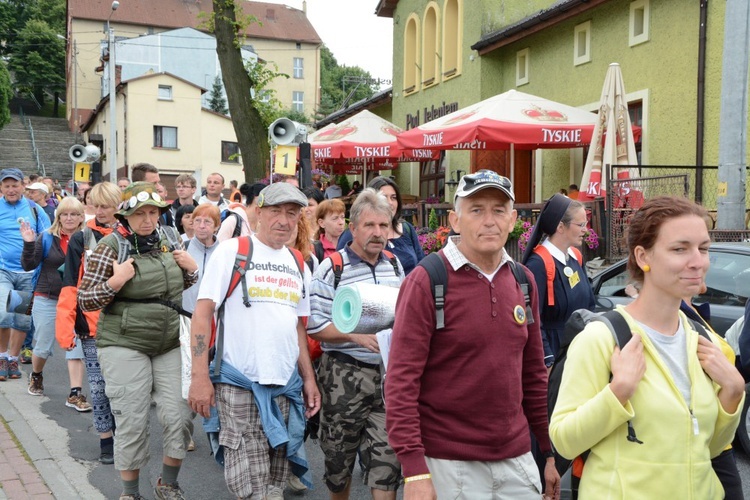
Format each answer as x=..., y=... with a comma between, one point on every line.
x=298, y=67
x=165, y=92
x=582, y=43
x=522, y=67
x=165, y=137
x=640, y=14
x=298, y=99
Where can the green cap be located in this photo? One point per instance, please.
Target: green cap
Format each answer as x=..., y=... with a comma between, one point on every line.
x=138, y=194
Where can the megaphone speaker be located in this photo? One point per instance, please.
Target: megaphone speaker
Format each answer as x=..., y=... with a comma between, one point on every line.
x=77, y=152
x=282, y=131
x=19, y=302
x=92, y=153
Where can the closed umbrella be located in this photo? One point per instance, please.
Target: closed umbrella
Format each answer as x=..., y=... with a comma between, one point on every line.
x=612, y=142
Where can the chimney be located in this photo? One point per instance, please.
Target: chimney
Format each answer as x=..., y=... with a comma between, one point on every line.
x=304, y=7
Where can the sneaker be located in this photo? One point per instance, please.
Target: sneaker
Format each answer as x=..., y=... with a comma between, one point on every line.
x=275, y=493
x=36, y=385
x=294, y=484
x=168, y=491
x=107, y=456
x=25, y=356
x=78, y=403
x=3, y=369
x=131, y=497
x=13, y=370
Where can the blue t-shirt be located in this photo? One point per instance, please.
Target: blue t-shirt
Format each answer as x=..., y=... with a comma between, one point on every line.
x=10, y=234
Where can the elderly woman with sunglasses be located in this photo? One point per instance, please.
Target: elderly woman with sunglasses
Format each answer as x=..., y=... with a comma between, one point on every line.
x=137, y=275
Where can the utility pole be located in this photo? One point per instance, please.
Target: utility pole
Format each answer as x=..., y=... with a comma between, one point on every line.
x=733, y=116
x=112, y=155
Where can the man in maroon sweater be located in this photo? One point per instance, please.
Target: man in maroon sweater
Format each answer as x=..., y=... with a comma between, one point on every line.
x=460, y=400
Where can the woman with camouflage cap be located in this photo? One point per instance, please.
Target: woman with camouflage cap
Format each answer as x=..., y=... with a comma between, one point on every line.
x=136, y=276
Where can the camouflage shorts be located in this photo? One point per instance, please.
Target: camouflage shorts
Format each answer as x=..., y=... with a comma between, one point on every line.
x=352, y=418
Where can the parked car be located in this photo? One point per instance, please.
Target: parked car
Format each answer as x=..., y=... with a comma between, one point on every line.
x=728, y=283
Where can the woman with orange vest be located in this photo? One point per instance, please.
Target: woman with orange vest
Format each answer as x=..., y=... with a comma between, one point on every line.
x=557, y=265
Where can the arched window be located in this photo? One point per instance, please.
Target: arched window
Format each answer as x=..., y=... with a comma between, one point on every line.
x=451, y=38
x=411, y=55
x=430, y=56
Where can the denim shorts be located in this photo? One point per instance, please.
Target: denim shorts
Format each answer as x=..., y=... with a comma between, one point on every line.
x=19, y=281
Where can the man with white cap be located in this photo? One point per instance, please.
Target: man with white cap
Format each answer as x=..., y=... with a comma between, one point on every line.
x=261, y=350
x=487, y=356
x=14, y=209
x=38, y=192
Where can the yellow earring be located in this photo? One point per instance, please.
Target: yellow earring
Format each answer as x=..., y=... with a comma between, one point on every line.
x=646, y=268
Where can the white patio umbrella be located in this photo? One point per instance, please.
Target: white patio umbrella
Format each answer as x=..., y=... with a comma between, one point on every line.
x=612, y=142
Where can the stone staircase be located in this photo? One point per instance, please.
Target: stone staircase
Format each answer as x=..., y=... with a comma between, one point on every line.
x=53, y=140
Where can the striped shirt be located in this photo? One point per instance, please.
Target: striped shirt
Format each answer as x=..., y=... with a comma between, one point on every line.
x=322, y=293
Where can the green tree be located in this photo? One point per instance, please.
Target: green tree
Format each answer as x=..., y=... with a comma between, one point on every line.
x=227, y=24
x=37, y=60
x=6, y=93
x=12, y=18
x=334, y=89
x=217, y=102
x=50, y=11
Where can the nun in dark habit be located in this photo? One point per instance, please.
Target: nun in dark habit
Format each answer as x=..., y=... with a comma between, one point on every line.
x=553, y=255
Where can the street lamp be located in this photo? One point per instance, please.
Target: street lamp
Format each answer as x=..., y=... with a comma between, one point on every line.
x=112, y=156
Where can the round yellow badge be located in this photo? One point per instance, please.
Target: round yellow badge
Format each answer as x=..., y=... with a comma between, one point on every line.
x=520, y=314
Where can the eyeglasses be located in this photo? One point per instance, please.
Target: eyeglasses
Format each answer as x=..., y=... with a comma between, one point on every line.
x=582, y=225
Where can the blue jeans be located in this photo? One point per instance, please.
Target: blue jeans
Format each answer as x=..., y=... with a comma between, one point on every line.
x=22, y=282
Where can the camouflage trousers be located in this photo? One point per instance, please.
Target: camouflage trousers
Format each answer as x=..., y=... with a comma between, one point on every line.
x=352, y=418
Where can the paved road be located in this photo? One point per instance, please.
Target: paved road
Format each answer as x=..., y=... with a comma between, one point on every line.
x=68, y=439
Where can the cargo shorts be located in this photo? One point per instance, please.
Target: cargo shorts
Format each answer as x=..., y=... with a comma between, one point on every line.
x=352, y=419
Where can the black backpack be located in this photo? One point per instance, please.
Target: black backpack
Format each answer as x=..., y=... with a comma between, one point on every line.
x=435, y=266
x=620, y=330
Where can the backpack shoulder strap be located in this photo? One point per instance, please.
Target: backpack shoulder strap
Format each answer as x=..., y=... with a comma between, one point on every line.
x=123, y=247
x=698, y=327
x=237, y=224
x=520, y=275
x=319, y=250
x=549, y=269
x=337, y=266
x=241, y=263
x=173, y=237
x=578, y=254
x=300, y=260
x=435, y=267
x=394, y=261
x=621, y=331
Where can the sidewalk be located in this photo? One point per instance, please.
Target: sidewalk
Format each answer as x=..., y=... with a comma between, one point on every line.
x=34, y=458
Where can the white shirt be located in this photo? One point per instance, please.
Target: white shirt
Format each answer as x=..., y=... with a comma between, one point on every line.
x=261, y=340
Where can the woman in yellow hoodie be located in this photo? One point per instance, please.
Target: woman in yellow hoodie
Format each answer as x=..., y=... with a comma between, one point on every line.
x=680, y=393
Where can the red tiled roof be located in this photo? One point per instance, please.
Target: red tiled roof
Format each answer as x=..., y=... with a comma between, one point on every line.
x=279, y=22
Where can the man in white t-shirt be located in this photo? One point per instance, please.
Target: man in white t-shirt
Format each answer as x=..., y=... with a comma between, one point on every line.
x=264, y=348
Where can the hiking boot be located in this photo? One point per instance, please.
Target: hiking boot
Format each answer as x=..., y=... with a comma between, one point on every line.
x=13, y=370
x=25, y=356
x=107, y=455
x=294, y=484
x=168, y=491
x=78, y=403
x=36, y=385
x=3, y=369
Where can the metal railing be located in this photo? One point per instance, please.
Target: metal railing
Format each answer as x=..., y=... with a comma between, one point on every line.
x=34, y=150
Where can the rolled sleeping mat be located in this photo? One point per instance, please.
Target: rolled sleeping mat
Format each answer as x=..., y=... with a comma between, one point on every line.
x=364, y=308
x=19, y=302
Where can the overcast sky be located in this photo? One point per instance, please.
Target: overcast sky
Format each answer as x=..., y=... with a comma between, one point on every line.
x=352, y=31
